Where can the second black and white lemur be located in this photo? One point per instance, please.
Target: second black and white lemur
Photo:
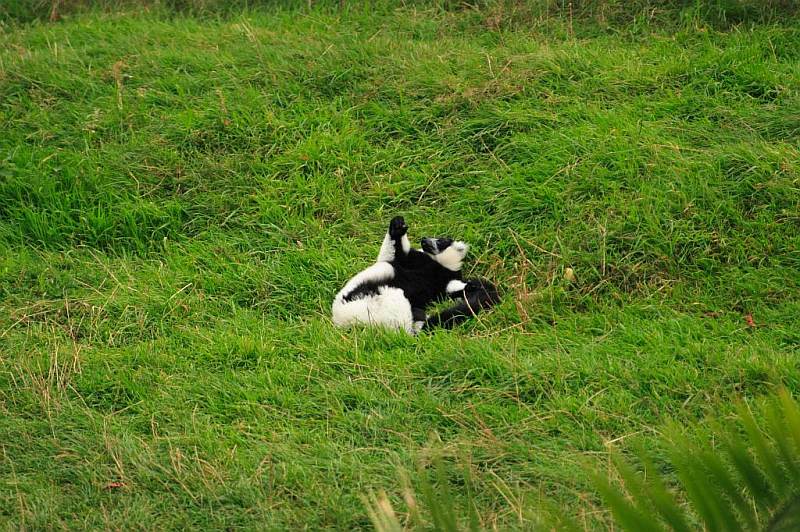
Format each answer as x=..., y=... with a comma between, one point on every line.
x=396, y=290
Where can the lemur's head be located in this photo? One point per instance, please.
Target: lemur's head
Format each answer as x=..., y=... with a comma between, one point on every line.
x=446, y=252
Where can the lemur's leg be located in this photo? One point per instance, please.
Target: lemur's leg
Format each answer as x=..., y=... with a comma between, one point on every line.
x=395, y=244
x=455, y=289
x=476, y=295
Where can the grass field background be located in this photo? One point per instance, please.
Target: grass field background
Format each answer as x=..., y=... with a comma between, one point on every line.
x=181, y=195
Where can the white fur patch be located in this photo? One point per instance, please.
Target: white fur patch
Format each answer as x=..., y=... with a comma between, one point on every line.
x=389, y=308
x=452, y=257
x=387, y=252
x=406, y=244
x=380, y=271
x=455, y=286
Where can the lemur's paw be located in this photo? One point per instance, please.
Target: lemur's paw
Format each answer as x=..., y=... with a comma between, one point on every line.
x=473, y=285
x=481, y=292
x=397, y=227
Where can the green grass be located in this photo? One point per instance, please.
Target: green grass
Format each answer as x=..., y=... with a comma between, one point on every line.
x=180, y=198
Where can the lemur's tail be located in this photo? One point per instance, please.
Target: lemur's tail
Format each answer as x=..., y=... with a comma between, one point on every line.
x=479, y=294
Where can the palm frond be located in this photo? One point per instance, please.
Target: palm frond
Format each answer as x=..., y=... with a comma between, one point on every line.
x=435, y=498
x=744, y=476
x=750, y=481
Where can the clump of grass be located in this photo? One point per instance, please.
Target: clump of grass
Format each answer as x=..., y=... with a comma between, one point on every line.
x=495, y=14
x=740, y=479
x=181, y=196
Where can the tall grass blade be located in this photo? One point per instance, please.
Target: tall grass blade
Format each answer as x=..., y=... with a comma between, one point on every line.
x=635, y=487
x=791, y=413
x=472, y=510
x=787, y=519
x=438, y=500
x=661, y=499
x=447, y=503
x=780, y=430
x=765, y=454
x=381, y=513
x=703, y=495
x=749, y=473
x=627, y=515
x=721, y=476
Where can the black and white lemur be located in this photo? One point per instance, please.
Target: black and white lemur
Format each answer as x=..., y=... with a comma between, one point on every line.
x=395, y=291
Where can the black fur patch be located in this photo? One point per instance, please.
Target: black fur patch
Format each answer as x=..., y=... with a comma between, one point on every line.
x=435, y=246
x=367, y=289
x=422, y=280
x=478, y=295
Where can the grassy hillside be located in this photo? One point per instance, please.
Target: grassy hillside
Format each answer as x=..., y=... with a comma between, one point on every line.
x=180, y=198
